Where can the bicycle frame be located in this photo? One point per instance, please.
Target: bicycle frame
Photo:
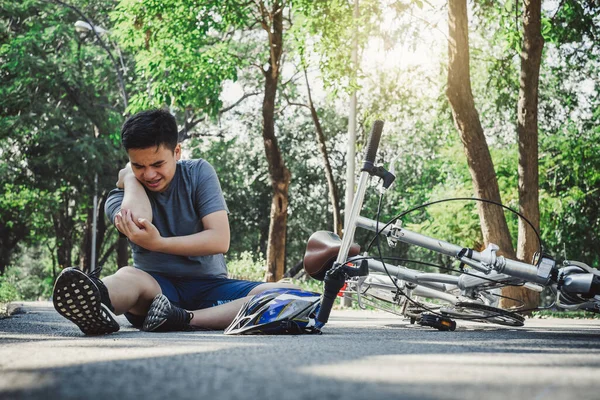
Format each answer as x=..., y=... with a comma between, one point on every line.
x=485, y=261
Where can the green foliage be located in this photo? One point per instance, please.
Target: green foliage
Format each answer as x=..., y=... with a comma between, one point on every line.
x=249, y=266
x=21, y=217
x=252, y=266
x=565, y=314
x=311, y=285
x=8, y=291
x=575, y=22
x=570, y=31
x=30, y=277
x=570, y=203
x=184, y=50
x=330, y=27
x=59, y=105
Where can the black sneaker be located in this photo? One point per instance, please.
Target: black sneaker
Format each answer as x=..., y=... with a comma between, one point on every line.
x=165, y=317
x=84, y=300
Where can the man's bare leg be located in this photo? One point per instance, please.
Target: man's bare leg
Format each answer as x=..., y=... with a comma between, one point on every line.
x=219, y=317
x=272, y=285
x=131, y=290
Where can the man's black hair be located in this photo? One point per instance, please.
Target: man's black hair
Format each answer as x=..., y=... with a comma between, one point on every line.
x=150, y=129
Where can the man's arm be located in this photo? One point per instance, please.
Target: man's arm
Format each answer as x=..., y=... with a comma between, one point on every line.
x=214, y=239
x=135, y=198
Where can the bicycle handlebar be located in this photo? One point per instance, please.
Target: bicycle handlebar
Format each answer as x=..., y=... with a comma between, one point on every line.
x=373, y=143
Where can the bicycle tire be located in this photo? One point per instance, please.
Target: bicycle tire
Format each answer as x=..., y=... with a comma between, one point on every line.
x=485, y=313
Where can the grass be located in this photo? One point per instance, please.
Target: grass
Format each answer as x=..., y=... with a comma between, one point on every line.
x=578, y=314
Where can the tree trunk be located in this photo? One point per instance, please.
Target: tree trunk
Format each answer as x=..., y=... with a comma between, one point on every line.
x=122, y=253
x=85, y=249
x=334, y=198
x=280, y=176
x=466, y=118
x=5, y=256
x=9, y=239
x=527, y=131
x=63, y=230
x=53, y=258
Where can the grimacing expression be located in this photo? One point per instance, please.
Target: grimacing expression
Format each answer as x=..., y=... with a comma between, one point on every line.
x=154, y=167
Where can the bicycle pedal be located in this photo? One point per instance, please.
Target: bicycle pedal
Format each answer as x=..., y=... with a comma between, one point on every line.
x=438, y=322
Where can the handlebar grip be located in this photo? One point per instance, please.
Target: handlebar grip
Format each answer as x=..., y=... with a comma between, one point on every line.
x=326, y=306
x=334, y=281
x=587, y=285
x=373, y=143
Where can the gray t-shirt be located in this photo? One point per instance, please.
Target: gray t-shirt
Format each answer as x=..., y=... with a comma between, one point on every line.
x=193, y=193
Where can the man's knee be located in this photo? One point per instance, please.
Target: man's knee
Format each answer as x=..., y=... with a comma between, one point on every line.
x=127, y=271
x=137, y=277
x=132, y=290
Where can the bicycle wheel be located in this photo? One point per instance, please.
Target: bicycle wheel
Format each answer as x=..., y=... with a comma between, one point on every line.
x=482, y=313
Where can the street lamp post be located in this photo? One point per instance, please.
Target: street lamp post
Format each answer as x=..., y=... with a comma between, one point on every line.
x=94, y=224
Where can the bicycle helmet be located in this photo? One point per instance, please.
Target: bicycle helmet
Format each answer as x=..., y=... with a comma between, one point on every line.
x=277, y=312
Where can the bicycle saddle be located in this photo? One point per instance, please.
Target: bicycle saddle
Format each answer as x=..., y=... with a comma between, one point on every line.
x=321, y=251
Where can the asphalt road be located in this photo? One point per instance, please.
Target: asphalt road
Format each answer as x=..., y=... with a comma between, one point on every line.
x=361, y=355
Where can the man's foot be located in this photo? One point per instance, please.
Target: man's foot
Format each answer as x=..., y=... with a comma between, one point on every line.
x=165, y=317
x=84, y=300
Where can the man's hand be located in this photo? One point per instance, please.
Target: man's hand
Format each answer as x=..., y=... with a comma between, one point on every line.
x=123, y=174
x=141, y=232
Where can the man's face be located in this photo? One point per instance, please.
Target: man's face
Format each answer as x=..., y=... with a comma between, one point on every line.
x=154, y=167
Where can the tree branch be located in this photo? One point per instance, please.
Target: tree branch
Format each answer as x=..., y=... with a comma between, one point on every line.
x=184, y=133
x=562, y=2
x=112, y=248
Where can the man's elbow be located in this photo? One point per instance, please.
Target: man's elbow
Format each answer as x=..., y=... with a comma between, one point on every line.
x=138, y=212
x=224, y=246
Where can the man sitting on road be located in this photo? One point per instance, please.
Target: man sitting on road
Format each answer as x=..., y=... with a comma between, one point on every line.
x=175, y=217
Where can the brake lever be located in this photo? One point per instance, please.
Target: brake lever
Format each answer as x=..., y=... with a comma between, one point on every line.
x=361, y=270
x=387, y=177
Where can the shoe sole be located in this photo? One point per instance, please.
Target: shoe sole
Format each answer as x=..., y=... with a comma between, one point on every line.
x=77, y=298
x=157, y=313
